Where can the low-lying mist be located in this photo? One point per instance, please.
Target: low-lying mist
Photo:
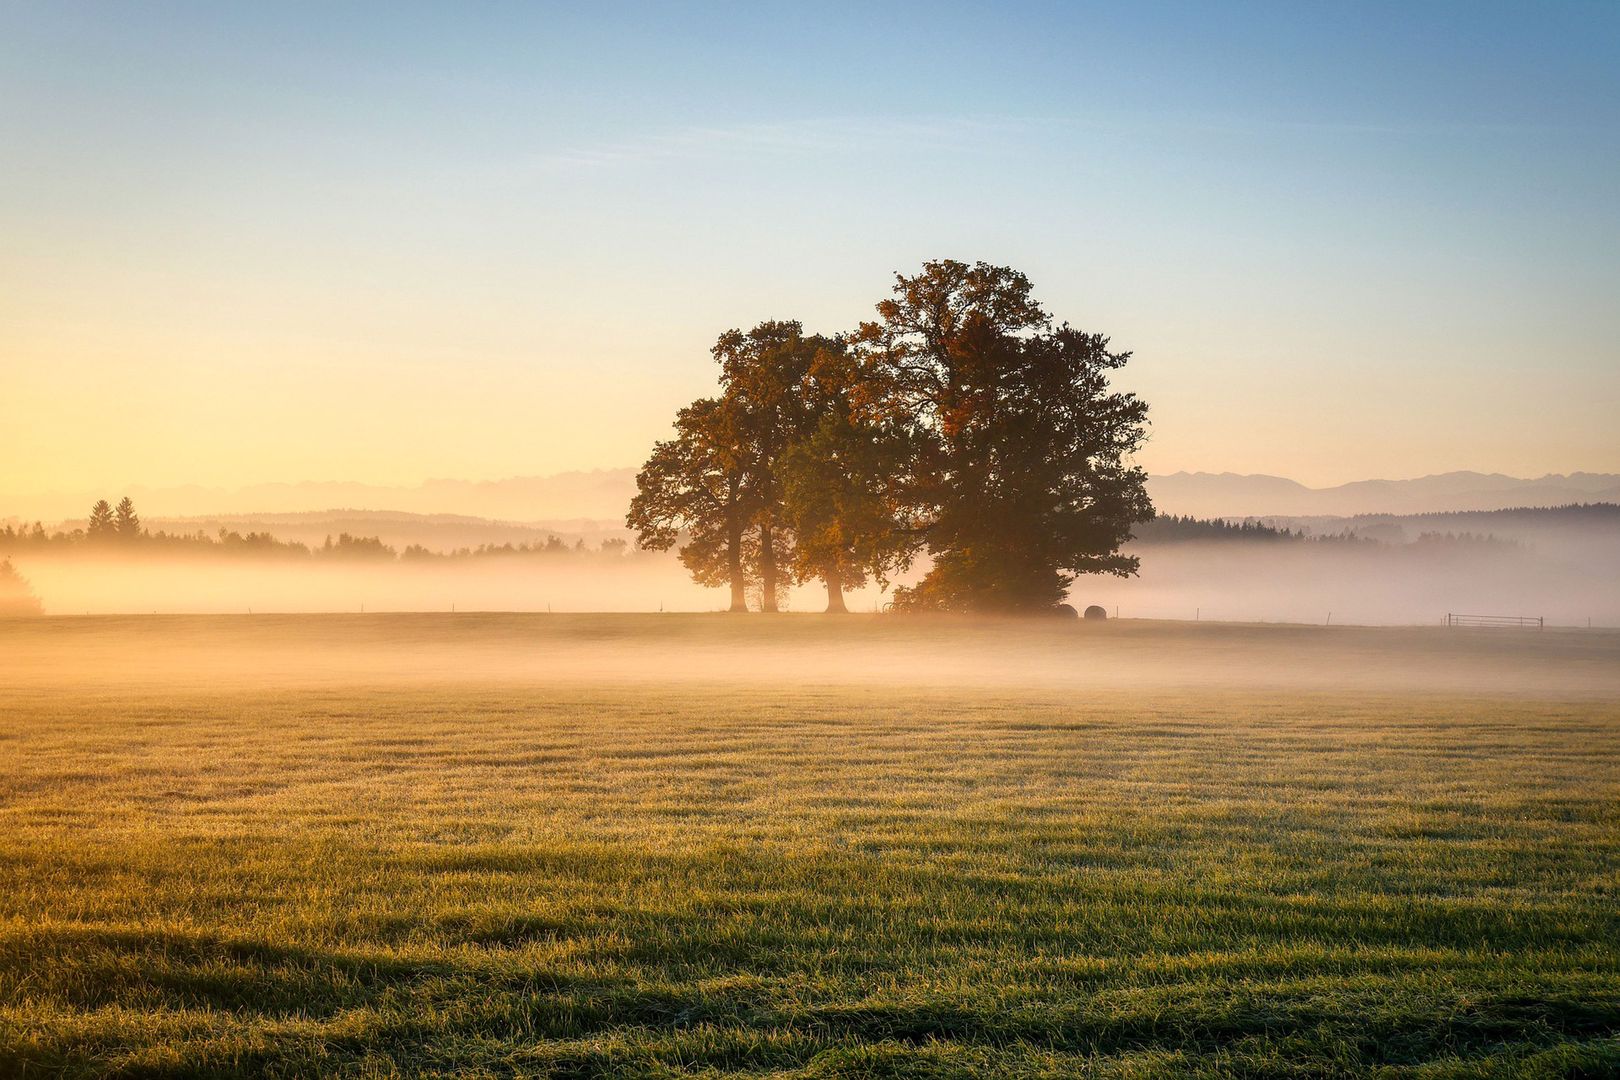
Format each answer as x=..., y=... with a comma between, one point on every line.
x=1570, y=583
x=814, y=659
x=109, y=583
x=1366, y=583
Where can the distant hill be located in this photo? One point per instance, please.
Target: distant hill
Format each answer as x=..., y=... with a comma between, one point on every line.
x=1237, y=495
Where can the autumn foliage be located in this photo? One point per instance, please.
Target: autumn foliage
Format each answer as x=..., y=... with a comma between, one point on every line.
x=962, y=422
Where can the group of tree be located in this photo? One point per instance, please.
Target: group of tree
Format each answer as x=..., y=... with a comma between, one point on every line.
x=1447, y=541
x=109, y=523
x=612, y=548
x=1172, y=528
x=98, y=536
x=962, y=422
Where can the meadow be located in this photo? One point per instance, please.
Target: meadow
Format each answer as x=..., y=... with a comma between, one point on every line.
x=670, y=846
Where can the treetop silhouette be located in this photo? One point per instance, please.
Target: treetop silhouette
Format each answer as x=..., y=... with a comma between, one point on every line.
x=102, y=525
x=126, y=522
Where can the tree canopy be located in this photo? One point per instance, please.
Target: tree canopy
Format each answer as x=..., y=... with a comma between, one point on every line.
x=1023, y=478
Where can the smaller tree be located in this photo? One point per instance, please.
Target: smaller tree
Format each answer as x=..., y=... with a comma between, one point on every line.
x=103, y=526
x=16, y=598
x=126, y=522
x=693, y=491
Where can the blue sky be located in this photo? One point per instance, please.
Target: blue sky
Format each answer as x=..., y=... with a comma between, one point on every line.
x=386, y=242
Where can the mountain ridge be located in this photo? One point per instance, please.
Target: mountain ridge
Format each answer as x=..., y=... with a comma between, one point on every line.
x=1261, y=495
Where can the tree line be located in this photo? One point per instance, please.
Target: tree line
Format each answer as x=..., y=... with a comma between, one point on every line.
x=963, y=422
x=1163, y=528
x=106, y=524
x=119, y=528
x=99, y=536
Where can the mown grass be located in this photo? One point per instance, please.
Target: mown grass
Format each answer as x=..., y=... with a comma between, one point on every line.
x=779, y=877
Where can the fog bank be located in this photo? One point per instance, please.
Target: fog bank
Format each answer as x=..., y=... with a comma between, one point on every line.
x=1365, y=583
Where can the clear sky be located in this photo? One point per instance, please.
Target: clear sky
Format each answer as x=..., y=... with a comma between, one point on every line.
x=284, y=241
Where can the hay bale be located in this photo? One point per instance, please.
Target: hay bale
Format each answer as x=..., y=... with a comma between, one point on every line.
x=1096, y=611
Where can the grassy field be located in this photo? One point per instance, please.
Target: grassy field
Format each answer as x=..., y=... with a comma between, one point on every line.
x=693, y=846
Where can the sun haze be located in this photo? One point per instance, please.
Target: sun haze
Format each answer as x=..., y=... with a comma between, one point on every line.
x=297, y=241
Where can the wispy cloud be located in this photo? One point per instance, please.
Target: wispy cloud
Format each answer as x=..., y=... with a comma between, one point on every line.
x=879, y=136
x=858, y=135
x=827, y=135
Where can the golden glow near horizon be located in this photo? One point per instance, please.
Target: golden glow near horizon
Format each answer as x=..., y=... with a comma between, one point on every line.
x=240, y=247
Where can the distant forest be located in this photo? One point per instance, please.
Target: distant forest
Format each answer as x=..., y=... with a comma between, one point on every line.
x=1171, y=529
x=1606, y=513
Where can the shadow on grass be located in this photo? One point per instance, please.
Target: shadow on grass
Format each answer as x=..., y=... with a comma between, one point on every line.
x=825, y=966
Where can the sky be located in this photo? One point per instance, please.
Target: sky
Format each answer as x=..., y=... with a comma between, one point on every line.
x=388, y=242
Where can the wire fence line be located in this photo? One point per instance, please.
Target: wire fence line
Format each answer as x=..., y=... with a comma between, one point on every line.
x=1489, y=621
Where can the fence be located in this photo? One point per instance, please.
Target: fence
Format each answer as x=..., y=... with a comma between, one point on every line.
x=1495, y=620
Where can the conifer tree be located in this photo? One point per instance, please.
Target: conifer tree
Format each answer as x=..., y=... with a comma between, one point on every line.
x=102, y=524
x=126, y=522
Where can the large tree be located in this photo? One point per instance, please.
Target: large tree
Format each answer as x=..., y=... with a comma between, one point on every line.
x=693, y=491
x=1021, y=479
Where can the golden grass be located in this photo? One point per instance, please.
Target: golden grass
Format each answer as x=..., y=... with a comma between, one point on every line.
x=609, y=847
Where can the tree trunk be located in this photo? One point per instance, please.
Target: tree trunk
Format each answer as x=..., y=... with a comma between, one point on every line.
x=767, y=568
x=734, y=565
x=835, y=591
